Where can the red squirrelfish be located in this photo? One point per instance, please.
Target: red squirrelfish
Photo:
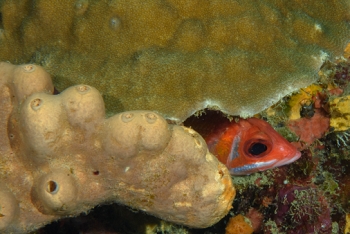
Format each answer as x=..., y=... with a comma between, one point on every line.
x=248, y=146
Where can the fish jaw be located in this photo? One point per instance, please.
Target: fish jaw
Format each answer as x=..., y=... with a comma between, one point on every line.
x=248, y=169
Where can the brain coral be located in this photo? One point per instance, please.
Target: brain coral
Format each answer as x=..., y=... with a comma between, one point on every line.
x=59, y=157
x=177, y=56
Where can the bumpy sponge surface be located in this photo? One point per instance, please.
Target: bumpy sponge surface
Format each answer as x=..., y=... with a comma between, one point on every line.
x=60, y=156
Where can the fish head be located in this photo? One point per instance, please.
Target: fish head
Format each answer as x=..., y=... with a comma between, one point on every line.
x=252, y=145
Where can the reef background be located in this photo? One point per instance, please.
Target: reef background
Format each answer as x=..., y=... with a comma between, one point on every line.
x=179, y=57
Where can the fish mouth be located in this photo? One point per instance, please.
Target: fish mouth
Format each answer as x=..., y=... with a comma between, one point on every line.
x=262, y=166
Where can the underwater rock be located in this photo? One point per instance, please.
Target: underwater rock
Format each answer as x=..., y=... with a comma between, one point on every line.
x=60, y=157
x=177, y=57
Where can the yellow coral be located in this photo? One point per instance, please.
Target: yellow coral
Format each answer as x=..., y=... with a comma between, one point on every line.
x=304, y=96
x=177, y=56
x=347, y=225
x=347, y=51
x=340, y=113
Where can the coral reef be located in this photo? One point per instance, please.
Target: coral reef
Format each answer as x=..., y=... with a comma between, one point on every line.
x=174, y=58
x=59, y=157
x=177, y=57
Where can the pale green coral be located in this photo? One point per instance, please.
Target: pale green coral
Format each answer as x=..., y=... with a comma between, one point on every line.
x=176, y=56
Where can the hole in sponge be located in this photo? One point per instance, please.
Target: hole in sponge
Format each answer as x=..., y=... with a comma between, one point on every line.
x=52, y=187
x=36, y=103
x=29, y=67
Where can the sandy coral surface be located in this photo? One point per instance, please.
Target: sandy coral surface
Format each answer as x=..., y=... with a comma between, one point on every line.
x=177, y=57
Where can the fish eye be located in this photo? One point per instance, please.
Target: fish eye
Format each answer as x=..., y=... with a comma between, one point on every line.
x=257, y=148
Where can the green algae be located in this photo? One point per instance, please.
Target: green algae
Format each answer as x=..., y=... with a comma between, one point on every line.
x=330, y=185
x=243, y=182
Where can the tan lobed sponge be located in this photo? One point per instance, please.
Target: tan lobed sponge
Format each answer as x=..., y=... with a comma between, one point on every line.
x=59, y=157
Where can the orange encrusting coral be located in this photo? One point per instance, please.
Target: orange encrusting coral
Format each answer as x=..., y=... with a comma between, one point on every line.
x=238, y=225
x=309, y=129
